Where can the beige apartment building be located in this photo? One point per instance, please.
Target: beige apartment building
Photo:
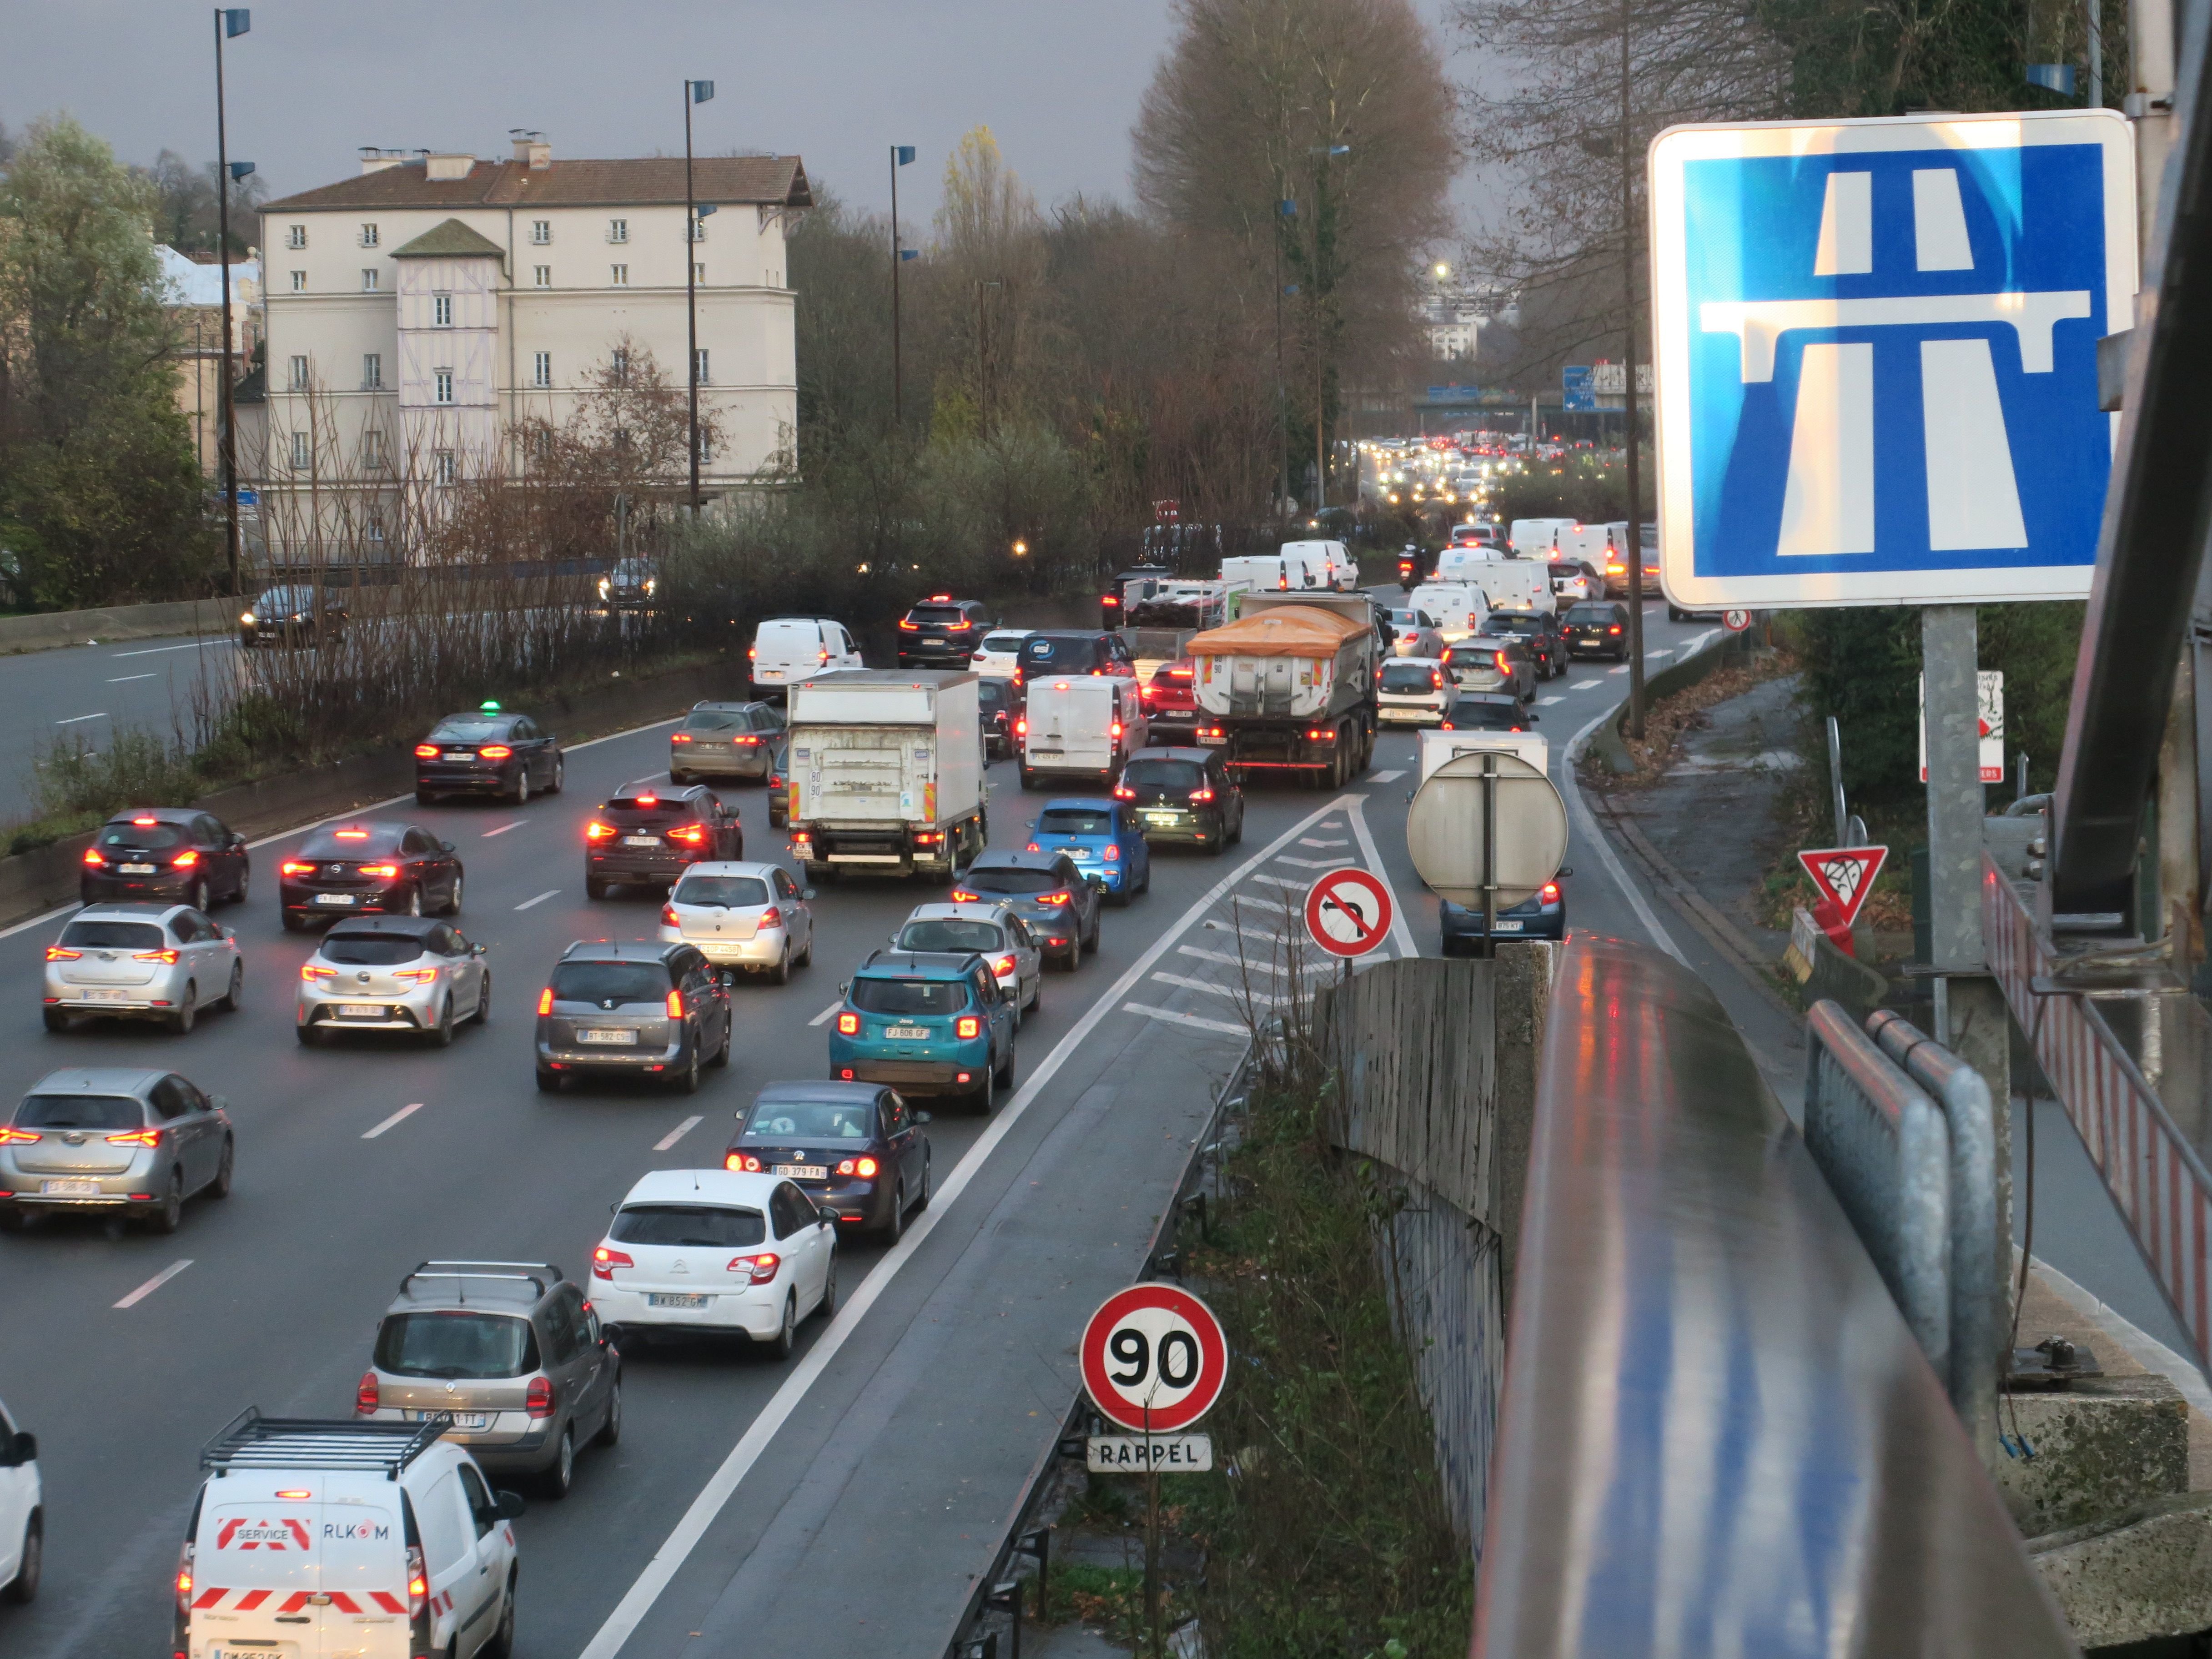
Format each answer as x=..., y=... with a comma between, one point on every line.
x=421, y=314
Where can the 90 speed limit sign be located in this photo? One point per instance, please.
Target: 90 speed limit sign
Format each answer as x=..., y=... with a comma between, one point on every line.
x=1153, y=1358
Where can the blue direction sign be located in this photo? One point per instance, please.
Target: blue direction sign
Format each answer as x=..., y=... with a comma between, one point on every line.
x=1578, y=396
x=1876, y=344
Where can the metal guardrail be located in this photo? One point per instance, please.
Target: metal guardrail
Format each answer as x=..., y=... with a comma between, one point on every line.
x=1718, y=1435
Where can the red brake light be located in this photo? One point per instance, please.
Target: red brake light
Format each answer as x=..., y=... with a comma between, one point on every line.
x=968, y=1026
x=743, y=1162
x=1201, y=795
x=1062, y=896
x=1032, y=848
x=426, y=751
x=1116, y=731
x=1551, y=891
x=911, y=626
x=1615, y=628
x=59, y=953
x=1502, y=661
x=10, y=1137
x=676, y=1004
x=351, y=835
x=135, y=1137
x=848, y=1024
x=494, y=752
x=752, y=653
x=1122, y=792
x=597, y=831
x=364, y=1395
x=545, y=1000
x=679, y=737
x=92, y=856
x=862, y=1167
x=144, y=822
x=646, y=797
x=294, y=867
x=771, y=917
x=154, y=956
x=418, y=1586
x=1021, y=729
x=605, y=1261
x=311, y=971
x=691, y=835
x=1003, y=965
x=668, y=915
x=384, y=870
x=184, y=860
x=1113, y=854
x=961, y=896
x=761, y=1266
x=538, y=1403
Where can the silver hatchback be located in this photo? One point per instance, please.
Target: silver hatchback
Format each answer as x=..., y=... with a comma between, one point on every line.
x=163, y=962
x=742, y=915
x=114, y=1138
x=412, y=974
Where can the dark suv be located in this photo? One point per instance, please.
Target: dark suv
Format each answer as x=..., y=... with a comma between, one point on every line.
x=941, y=632
x=647, y=837
x=165, y=852
x=1184, y=794
x=1597, y=628
x=1054, y=652
x=487, y=753
x=659, y=1009
x=1537, y=629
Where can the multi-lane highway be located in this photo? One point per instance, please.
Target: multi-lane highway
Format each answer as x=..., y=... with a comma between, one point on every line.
x=837, y=1504
x=93, y=691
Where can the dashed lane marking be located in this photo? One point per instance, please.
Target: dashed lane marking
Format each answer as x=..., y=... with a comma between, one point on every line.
x=1233, y=993
x=1242, y=933
x=823, y=1018
x=1277, y=881
x=503, y=830
x=1258, y=965
x=156, y=650
x=1546, y=702
x=549, y=893
x=1308, y=864
x=154, y=1283
x=1384, y=777
x=125, y=680
x=1192, y=1020
x=79, y=719
x=677, y=1133
x=1308, y=841
x=1587, y=685
x=393, y=1121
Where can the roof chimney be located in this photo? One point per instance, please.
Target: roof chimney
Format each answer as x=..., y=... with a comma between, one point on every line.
x=373, y=160
x=447, y=166
x=532, y=150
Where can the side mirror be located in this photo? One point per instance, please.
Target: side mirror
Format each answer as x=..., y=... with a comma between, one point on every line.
x=222, y=932
x=237, y=840
x=219, y=1103
x=478, y=950
x=924, y=1117
x=446, y=846
x=511, y=1505
x=1566, y=869
x=806, y=892
x=844, y=988
x=25, y=1449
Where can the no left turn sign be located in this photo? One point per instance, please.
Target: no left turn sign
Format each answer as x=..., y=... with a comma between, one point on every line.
x=1154, y=1358
x=1348, y=912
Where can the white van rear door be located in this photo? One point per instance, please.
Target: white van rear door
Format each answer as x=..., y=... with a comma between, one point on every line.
x=363, y=1551
x=257, y=1573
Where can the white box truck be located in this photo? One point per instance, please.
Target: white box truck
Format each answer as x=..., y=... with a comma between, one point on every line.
x=886, y=772
x=1084, y=724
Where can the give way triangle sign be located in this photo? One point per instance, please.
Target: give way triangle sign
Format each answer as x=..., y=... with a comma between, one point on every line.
x=1845, y=875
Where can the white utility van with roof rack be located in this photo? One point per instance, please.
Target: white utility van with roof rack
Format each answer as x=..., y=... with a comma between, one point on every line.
x=344, y=1540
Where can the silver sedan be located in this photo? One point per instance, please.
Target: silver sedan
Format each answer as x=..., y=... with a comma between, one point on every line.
x=414, y=974
x=742, y=915
x=163, y=962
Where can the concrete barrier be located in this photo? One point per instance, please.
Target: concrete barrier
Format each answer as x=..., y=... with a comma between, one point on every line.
x=49, y=630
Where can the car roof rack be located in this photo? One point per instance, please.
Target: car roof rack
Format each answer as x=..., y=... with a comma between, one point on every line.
x=520, y=1273
x=251, y=1441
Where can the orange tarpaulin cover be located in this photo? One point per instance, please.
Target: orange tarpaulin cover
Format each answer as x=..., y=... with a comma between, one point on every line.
x=1287, y=631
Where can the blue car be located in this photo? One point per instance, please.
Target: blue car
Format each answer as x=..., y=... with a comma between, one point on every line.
x=927, y=1023
x=1542, y=914
x=1102, y=839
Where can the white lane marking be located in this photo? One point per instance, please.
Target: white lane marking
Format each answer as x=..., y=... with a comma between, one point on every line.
x=762, y=1432
x=1546, y=702
x=591, y=742
x=1654, y=656
x=1277, y=881
x=1623, y=669
x=78, y=720
x=156, y=650
x=1234, y=993
x=549, y=893
x=125, y=680
x=1308, y=841
x=1398, y=928
x=1192, y=1020
x=1308, y=864
x=1587, y=685
x=1247, y=902
x=503, y=830
x=677, y=1133
x=394, y=1120
x=154, y=1283
x=1243, y=932
x=823, y=1018
x=1384, y=777
x=1258, y=965
x=1586, y=826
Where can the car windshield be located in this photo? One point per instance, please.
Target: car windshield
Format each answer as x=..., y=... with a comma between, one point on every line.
x=632, y=568
x=467, y=728
x=1003, y=644
x=949, y=933
x=733, y=892
x=154, y=837
x=1076, y=821
x=456, y=1344
x=1503, y=623
x=909, y=996
x=79, y=1112
x=1000, y=879
x=936, y=615
x=714, y=720
x=1176, y=675
x=813, y=1120
x=609, y=982
x=351, y=842
x=1485, y=716
x=113, y=936
x=1590, y=614
x=992, y=694
x=285, y=598
x=371, y=950
x=1067, y=655
x=1408, y=677
x=715, y=1226
x=1162, y=775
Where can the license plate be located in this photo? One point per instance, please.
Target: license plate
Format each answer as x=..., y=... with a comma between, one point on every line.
x=640, y=841
x=461, y=1420
x=460, y=754
x=70, y=1188
x=910, y=1031
x=361, y=1010
x=804, y=1171
x=334, y=898
x=1211, y=739
x=658, y=1299
x=1050, y=754
x=103, y=996
x=627, y=1039
x=1162, y=818
x=1505, y=926
x=136, y=869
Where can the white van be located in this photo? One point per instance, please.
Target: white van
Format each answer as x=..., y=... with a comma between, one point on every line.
x=1514, y=584
x=22, y=1513
x=1539, y=539
x=349, y=1540
x=1274, y=572
x=1591, y=543
x=787, y=648
x=1459, y=607
x=1086, y=724
x=1338, y=567
x=1454, y=564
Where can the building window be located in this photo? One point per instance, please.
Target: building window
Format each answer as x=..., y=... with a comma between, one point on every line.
x=543, y=275
x=296, y=236
x=617, y=230
x=442, y=311
x=368, y=279
x=372, y=371
x=541, y=441
x=706, y=449
x=371, y=448
x=299, y=282
x=375, y=525
x=298, y=374
x=698, y=366
x=621, y=361
x=699, y=274
x=368, y=236
x=446, y=471
x=541, y=368
x=301, y=459
x=443, y=380
x=541, y=231
x=620, y=277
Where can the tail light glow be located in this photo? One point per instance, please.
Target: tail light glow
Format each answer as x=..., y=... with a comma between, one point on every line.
x=414, y=976
x=1201, y=795
x=426, y=751
x=1114, y=730
x=1063, y=896
x=597, y=831
x=762, y=1268
x=92, y=856
x=386, y=870
x=962, y=896
x=545, y=1000
x=771, y=917
x=418, y=1585
x=676, y=1004
x=848, y=1024
x=59, y=953
x=12, y=1137
x=154, y=956
x=968, y=1026
x=1122, y=792
x=540, y=1402
x=605, y=1261
x=1551, y=892
x=365, y=1394
x=743, y=1162
x=691, y=835
x=311, y=971
x=863, y=1167
x=494, y=752
x=1022, y=727
x=668, y=915
x=135, y=1137
x=679, y=737
x=1113, y=854
x=1002, y=965
x=184, y=860
x=294, y=867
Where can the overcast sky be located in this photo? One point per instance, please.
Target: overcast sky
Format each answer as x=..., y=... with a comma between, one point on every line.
x=836, y=80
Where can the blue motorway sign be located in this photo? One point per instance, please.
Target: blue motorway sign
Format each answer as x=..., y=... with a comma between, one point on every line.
x=1876, y=345
x=1576, y=394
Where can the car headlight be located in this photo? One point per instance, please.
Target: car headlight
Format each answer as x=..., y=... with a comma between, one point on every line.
x=648, y=584
x=247, y=619
x=603, y=587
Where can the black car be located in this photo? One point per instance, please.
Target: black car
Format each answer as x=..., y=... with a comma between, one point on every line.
x=349, y=868
x=630, y=585
x=659, y=1011
x=995, y=697
x=299, y=615
x=1537, y=629
x=941, y=632
x=1126, y=591
x=1184, y=794
x=1542, y=914
x=165, y=852
x=1047, y=892
x=1489, y=711
x=647, y=837
x=1596, y=628
x=1067, y=651
x=855, y=1148
x=490, y=752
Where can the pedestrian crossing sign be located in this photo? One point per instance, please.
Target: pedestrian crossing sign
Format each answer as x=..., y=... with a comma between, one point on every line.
x=1876, y=347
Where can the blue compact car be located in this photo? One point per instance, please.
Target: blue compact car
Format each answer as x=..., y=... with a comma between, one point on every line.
x=1102, y=839
x=1543, y=914
x=926, y=1022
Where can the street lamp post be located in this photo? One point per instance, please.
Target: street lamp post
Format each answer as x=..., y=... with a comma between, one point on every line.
x=1635, y=481
x=694, y=92
x=229, y=22
x=901, y=155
